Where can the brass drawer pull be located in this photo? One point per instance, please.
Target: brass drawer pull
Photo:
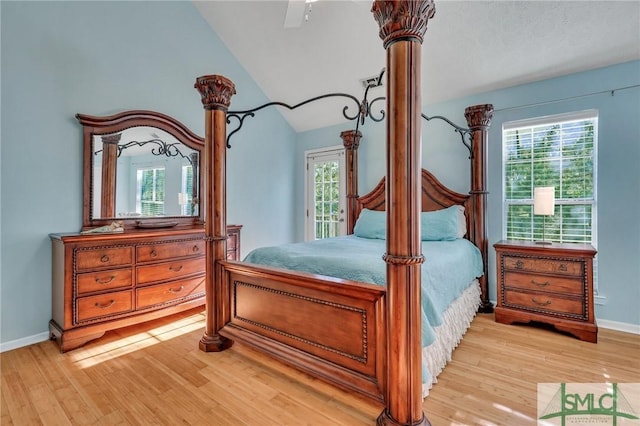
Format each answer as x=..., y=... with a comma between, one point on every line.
x=562, y=267
x=175, y=268
x=539, y=284
x=176, y=291
x=196, y=249
x=548, y=302
x=104, y=258
x=153, y=253
x=99, y=281
x=519, y=264
x=108, y=305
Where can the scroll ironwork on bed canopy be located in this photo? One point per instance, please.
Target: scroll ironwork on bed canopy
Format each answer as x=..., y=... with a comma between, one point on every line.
x=363, y=107
x=465, y=133
x=364, y=110
x=161, y=148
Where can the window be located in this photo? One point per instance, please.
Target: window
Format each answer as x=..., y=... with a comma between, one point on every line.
x=558, y=151
x=150, y=191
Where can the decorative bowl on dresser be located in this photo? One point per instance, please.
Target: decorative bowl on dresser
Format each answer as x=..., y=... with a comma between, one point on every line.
x=547, y=283
x=141, y=254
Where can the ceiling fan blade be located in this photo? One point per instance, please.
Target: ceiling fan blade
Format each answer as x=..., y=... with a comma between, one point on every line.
x=295, y=13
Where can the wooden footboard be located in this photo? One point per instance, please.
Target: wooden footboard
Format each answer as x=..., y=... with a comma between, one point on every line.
x=331, y=328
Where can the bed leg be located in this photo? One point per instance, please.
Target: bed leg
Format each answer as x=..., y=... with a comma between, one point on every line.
x=215, y=343
x=384, y=419
x=486, y=307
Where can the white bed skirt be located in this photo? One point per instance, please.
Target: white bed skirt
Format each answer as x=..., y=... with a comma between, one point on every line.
x=456, y=321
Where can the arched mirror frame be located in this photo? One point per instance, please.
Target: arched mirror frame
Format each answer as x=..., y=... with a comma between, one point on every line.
x=113, y=124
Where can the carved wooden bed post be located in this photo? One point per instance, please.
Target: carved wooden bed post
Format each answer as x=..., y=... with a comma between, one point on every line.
x=216, y=92
x=478, y=119
x=351, y=141
x=402, y=27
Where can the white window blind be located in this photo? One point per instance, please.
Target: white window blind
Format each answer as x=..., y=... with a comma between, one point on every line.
x=558, y=151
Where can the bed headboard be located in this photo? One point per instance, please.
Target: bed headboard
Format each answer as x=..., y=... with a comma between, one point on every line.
x=435, y=196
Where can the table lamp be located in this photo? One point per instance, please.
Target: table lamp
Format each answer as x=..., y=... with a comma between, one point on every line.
x=544, y=205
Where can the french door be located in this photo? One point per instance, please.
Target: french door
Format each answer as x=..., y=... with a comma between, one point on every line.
x=325, y=193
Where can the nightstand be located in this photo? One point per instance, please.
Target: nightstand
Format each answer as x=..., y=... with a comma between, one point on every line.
x=547, y=283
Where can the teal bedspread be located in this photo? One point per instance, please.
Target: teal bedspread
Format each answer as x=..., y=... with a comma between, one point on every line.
x=449, y=267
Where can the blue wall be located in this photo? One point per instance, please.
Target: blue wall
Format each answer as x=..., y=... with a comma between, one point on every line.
x=618, y=189
x=61, y=58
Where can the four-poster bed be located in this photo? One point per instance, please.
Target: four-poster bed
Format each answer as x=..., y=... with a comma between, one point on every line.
x=360, y=336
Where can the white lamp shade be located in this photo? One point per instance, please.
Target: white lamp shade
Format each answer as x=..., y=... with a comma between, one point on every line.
x=544, y=200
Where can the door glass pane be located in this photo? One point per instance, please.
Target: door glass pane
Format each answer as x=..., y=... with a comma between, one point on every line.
x=327, y=186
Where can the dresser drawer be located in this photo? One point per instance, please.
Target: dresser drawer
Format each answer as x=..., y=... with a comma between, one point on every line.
x=170, y=292
x=103, y=257
x=164, y=251
x=553, y=284
x=544, y=302
x=170, y=270
x=104, y=280
x=104, y=305
x=556, y=266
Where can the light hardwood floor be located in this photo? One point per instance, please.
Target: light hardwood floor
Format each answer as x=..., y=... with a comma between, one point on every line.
x=154, y=374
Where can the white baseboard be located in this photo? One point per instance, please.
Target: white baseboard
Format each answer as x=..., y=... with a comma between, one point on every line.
x=25, y=341
x=619, y=326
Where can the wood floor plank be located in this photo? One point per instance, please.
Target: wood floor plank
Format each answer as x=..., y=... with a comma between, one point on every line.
x=154, y=373
x=20, y=408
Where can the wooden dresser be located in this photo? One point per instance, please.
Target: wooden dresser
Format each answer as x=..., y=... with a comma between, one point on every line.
x=107, y=281
x=547, y=283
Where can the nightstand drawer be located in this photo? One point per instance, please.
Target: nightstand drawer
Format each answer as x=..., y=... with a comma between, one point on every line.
x=544, y=302
x=552, y=284
x=555, y=266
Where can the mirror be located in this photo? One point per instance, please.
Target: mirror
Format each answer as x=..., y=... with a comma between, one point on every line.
x=141, y=168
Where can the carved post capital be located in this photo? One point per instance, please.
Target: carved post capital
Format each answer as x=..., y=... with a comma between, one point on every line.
x=111, y=139
x=216, y=91
x=479, y=116
x=351, y=138
x=402, y=19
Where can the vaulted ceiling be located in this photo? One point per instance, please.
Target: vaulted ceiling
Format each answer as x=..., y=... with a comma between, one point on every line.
x=470, y=47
